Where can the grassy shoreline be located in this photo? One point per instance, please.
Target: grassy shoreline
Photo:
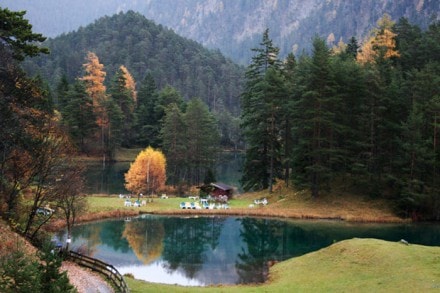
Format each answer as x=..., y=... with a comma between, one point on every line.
x=111, y=206
x=283, y=203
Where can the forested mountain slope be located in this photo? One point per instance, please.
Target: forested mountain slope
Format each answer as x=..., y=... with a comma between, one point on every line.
x=235, y=26
x=143, y=47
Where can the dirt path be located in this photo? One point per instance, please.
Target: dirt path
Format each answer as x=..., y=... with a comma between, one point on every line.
x=85, y=280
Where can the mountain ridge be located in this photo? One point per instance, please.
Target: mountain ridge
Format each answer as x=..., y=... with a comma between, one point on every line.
x=236, y=26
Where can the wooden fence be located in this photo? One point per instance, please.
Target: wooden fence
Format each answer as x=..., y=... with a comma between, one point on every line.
x=106, y=269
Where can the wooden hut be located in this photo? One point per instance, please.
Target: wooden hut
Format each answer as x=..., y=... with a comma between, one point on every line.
x=218, y=189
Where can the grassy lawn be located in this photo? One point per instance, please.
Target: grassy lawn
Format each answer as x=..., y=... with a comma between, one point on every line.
x=359, y=265
x=283, y=202
x=100, y=204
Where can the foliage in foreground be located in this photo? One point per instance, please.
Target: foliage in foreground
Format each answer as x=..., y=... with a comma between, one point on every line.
x=22, y=273
x=36, y=162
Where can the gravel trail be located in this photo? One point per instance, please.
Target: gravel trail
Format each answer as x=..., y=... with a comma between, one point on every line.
x=85, y=280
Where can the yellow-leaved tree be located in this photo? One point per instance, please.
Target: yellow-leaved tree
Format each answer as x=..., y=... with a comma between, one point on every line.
x=147, y=173
x=381, y=44
x=130, y=83
x=94, y=79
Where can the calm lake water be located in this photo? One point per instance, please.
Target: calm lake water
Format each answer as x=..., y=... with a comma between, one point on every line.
x=110, y=179
x=199, y=251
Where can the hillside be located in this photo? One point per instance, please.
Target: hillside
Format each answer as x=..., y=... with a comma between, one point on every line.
x=235, y=26
x=143, y=47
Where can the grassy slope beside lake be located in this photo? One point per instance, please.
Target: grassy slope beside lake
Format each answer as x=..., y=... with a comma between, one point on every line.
x=356, y=265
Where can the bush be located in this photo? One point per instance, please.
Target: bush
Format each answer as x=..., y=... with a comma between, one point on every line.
x=20, y=273
x=52, y=280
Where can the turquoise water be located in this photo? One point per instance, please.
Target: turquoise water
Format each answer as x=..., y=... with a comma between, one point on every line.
x=199, y=251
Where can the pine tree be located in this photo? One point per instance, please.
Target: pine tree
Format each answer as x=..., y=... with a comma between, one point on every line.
x=174, y=143
x=78, y=115
x=290, y=73
x=146, y=123
x=61, y=92
x=123, y=94
x=352, y=48
x=52, y=280
x=116, y=130
x=260, y=110
x=17, y=36
x=19, y=273
x=202, y=140
x=315, y=121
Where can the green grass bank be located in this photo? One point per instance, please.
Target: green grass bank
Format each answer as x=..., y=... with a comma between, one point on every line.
x=356, y=265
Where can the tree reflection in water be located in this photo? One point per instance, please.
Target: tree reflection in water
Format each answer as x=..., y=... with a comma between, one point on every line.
x=145, y=239
x=186, y=242
x=260, y=236
x=221, y=250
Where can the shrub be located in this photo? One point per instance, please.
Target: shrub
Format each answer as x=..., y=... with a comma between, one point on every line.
x=19, y=273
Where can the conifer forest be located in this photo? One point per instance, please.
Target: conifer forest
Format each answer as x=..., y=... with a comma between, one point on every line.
x=361, y=117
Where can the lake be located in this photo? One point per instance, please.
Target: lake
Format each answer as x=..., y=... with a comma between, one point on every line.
x=110, y=179
x=200, y=251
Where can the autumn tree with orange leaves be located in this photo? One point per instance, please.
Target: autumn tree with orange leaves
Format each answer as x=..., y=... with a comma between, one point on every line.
x=147, y=174
x=94, y=79
x=95, y=88
x=381, y=44
x=130, y=83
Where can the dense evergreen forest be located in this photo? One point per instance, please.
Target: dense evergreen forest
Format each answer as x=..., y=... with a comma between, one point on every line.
x=144, y=48
x=157, y=60
x=357, y=118
x=362, y=119
x=118, y=81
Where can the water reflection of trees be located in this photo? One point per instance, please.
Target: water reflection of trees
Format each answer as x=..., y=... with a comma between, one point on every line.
x=267, y=241
x=187, y=240
x=145, y=238
x=111, y=235
x=260, y=236
x=92, y=234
